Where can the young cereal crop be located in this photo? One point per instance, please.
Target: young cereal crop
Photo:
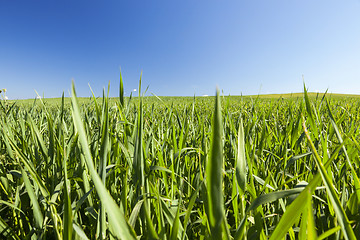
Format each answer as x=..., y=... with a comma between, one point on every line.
x=180, y=168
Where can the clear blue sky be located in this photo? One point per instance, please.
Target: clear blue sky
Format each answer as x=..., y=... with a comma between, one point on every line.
x=183, y=47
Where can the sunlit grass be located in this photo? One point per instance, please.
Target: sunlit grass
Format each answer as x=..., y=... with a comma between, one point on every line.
x=180, y=167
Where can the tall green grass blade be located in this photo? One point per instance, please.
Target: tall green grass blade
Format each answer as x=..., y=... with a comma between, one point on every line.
x=307, y=229
x=338, y=135
x=121, y=91
x=39, y=218
x=310, y=113
x=104, y=149
x=241, y=159
x=152, y=232
x=97, y=108
x=38, y=136
x=340, y=213
x=214, y=172
x=295, y=209
x=297, y=206
x=116, y=218
x=135, y=213
x=138, y=162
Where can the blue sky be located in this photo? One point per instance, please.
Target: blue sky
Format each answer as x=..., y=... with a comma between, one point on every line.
x=183, y=47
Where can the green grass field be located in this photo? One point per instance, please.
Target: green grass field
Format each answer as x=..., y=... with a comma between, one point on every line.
x=253, y=167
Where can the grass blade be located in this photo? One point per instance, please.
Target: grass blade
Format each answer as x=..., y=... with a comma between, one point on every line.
x=338, y=135
x=214, y=171
x=116, y=218
x=39, y=219
x=340, y=213
x=121, y=91
x=241, y=159
x=68, y=218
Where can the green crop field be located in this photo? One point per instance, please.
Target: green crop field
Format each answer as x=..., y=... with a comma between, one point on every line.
x=225, y=167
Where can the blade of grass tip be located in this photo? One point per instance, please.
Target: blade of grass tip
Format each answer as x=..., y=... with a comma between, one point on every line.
x=162, y=101
x=138, y=162
x=10, y=108
x=121, y=91
x=82, y=200
x=310, y=113
x=339, y=211
x=338, y=135
x=104, y=149
x=62, y=107
x=108, y=90
x=214, y=174
x=122, y=229
x=135, y=213
x=13, y=207
x=241, y=159
x=140, y=84
x=97, y=108
x=323, y=98
x=293, y=159
x=128, y=105
x=38, y=136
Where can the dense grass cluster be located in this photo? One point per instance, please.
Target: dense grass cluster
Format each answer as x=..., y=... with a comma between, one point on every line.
x=180, y=168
